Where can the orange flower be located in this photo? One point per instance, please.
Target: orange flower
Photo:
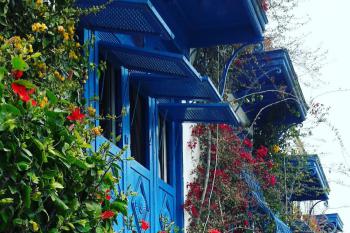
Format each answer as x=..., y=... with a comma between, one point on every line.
x=107, y=214
x=76, y=115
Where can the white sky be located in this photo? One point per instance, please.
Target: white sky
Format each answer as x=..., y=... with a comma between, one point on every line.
x=330, y=29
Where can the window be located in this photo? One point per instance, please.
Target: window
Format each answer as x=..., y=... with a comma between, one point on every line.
x=139, y=126
x=163, y=153
x=110, y=103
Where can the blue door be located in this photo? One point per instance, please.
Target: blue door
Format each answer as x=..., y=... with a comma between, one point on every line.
x=131, y=118
x=152, y=174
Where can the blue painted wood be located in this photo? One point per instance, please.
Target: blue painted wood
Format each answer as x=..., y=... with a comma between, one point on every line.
x=271, y=75
x=155, y=197
x=176, y=22
x=203, y=113
x=149, y=60
x=331, y=223
x=159, y=86
x=314, y=186
x=134, y=16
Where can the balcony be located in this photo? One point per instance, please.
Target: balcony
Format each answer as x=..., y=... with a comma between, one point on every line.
x=301, y=227
x=330, y=223
x=181, y=23
x=314, y=185
x=269, y=78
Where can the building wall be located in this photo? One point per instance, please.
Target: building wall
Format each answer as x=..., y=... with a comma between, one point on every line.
x=191, y=157
x=190, y=161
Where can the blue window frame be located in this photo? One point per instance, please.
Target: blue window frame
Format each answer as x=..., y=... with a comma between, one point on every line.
x=155, y=143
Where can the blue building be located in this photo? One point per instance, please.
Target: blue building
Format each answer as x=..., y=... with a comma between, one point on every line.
x=151, y=85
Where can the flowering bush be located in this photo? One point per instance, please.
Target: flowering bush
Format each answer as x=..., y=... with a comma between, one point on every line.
x=50, y=179
x=219, y=190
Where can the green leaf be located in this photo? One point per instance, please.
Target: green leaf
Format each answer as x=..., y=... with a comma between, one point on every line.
x=78, y=162
x=27, y=200
x=58, y=202
x=19, y=64
x=23, y=166
x=25, y=83
x=38, y=143
x=9, y=108
x=3, y=71
x=94, y=208
x=36, y=55
x=18, y=221
x=51, y=96
x=99, y=230
x=56, y=185
x=6, y=201
x=53, y=230
x=120, y=206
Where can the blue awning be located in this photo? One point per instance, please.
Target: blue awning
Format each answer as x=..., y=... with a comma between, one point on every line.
x=314, y=185
x=330, y=222
x=125, y=16
x=158, y=86
x=271, y=78
x=186, y=24
x=210, y=23
x=146, y=60
x=198, y=113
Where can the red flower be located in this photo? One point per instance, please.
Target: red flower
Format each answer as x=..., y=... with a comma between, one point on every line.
x=108, y=197
x=247, y=156
x=17, y=74
x=34, y=103
x=194, y=211
x=22, y=92
x=76, y=115
x=269, y=164
x=214, y=231
x=261, y=152
x=107, y=214
x=248, y=143
x=245, y=223
x=144, y=225
x=272, y=180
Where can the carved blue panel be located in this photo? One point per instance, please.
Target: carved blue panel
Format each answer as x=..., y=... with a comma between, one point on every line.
x=140, y=204
x=165, y=215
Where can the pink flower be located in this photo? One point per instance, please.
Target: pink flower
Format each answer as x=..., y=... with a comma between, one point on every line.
x=265, y=5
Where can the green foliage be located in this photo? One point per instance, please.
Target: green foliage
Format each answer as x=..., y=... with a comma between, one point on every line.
x=50, y=179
